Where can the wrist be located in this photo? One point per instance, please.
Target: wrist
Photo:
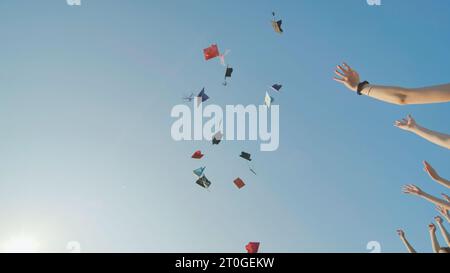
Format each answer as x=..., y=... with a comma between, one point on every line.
x=415, y=128
x=361, y=86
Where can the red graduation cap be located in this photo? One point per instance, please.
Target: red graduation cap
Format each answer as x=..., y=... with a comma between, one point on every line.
x=239, y=183
x=197, y=155
x=252, y=247
x=211, y=52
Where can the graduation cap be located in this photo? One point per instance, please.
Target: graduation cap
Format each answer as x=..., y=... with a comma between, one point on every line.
x=239, y=183
x=276, y=87
x=197, y=155
x=211, y=52
x=203, y=182
x=199, y=172
x=252, y=247
x=228, y=73
x=217, y=138
x=276, y=24
x=202, y=96
x=246, y=156
x=268, y=100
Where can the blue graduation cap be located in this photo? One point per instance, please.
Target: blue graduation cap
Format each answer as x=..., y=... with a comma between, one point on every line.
x=199, y=172
x=277, y=87
x=203, y=95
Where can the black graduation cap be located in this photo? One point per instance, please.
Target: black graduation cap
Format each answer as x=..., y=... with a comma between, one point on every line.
x=228, y=73
x=277, y=87
x=246, y=156
x=276, y=24
x=203, y=95
x=217, y=138
x=203, y=182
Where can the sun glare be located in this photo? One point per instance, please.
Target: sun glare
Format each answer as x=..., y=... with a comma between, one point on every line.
x=20, y=244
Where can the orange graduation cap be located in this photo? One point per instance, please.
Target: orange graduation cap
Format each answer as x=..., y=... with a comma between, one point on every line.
x=252, y=247
x=197, y=155
x=239, y=183
x=211, y=52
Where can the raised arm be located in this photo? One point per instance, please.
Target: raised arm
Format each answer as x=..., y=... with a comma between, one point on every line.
x=434, y=241
x=414, y=190
x=435, y=176
x=390, y=94
x=408, y=246
x=410, y=125
x=443, y=212
x=444, y=232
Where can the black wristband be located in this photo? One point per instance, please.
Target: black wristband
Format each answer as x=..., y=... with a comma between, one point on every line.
x=361, y=87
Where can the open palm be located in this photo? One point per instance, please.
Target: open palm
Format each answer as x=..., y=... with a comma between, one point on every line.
x=406, y=124
x=412, y=189
x=347, y=76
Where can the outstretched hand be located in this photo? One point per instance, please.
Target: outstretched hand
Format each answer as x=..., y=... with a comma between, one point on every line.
x=407, y=124
x=412, y=189
x=347, y=76
x=438, y=219
x=431, y=171
x=401, y=233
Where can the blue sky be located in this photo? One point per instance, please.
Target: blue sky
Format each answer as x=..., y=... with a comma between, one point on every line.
x=85, y=145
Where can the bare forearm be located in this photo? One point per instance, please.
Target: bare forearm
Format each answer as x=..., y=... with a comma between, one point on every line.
x=444, y=182
x=436, y=201
x=408, y=246
x=445, y=234
x=437, y=138
x=402, y=96
x=434, y=242
x=447, y=217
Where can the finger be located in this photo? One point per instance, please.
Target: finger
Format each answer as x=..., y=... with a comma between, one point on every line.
x=343, y=69
x=348, y=67
x=338, y=80
x=337, y=72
